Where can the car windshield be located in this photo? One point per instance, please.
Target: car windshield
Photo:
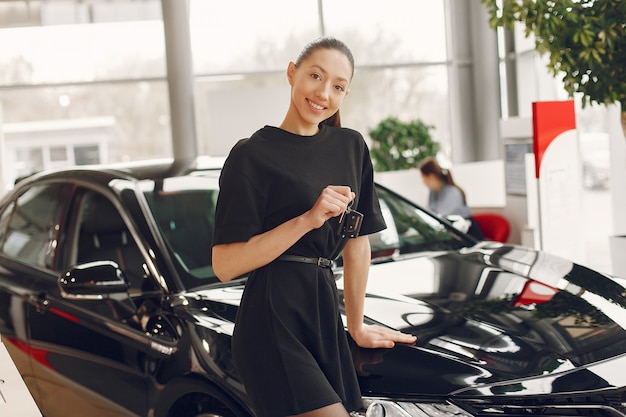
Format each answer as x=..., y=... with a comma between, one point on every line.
x=184, y=209
x=411, y=229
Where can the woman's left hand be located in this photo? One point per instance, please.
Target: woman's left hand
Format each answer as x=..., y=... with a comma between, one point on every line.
x=374, y=336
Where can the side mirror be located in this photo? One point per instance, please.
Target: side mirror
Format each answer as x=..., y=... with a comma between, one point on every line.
x=99, y=280
x=93, y=281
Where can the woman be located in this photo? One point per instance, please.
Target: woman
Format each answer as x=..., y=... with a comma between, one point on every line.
x=282, y=193
x=445, y=197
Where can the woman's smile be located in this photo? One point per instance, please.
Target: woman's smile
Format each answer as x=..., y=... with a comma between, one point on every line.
x=315, y=105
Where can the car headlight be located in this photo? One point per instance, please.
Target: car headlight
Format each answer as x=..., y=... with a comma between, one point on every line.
x=387, y=408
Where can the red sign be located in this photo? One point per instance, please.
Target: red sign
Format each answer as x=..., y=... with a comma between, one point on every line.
x=550, y=119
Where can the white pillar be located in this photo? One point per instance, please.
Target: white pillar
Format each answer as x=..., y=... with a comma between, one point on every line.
x=180, y=81
x=473, y=82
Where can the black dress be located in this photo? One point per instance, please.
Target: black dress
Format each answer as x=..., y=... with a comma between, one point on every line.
x=289, y=343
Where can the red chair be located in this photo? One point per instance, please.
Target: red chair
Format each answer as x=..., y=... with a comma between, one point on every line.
x=495, y=227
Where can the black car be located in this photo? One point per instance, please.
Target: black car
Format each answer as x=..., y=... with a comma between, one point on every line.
x=109, y=307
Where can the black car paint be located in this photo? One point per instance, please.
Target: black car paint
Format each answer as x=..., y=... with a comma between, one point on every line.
x=476, y=337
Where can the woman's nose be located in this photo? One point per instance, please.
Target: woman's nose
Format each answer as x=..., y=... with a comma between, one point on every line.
x=322, y=91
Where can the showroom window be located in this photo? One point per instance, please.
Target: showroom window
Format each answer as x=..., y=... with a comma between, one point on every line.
x=390, y=32
x=65, y=61
x=240, y=83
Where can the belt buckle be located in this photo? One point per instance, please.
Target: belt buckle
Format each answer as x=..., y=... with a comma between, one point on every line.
x=324, y=263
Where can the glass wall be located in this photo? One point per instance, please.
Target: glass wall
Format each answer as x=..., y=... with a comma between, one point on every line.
x=77, y=62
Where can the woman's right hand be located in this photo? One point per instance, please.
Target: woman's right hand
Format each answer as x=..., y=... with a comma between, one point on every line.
x=332, y=201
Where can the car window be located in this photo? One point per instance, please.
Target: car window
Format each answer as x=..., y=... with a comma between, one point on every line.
x=32, y=225
x=104, y=236
x=410, y=229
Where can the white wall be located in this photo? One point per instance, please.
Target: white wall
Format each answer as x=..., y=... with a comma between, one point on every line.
x=227, y=115
x=617, y=145
x=483, y=183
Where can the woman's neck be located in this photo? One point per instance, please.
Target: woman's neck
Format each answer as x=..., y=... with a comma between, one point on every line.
x=294, y=124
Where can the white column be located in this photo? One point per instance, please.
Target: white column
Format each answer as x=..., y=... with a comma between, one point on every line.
x=180, y=81
x=473, y=82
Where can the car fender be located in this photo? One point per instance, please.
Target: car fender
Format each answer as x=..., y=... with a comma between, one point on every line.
x=185, y=390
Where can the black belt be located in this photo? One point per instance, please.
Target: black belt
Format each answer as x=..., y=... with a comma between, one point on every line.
x=321, y=262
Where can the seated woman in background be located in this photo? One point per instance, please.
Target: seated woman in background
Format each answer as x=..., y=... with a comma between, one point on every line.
x=445, y=197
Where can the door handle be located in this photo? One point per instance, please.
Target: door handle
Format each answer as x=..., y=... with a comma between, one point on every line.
x=40, y=301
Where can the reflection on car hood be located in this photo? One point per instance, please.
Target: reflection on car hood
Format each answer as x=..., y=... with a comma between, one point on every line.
x=491, y=314
x=489, y=319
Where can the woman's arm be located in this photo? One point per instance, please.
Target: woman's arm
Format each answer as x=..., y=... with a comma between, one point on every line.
x=231, y=260
x=356, y=264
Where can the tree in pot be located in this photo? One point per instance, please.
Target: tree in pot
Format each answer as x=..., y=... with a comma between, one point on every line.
x=398, y=145
x=585, y=40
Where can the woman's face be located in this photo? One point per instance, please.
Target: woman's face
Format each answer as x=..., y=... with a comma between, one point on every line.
x=431, y=181
x=318, y=86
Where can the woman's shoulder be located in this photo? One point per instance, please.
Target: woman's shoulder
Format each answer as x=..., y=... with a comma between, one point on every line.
x=346, y=136
x=243, y=152
x=451, y=190
x=345, y=131
x=245, y=145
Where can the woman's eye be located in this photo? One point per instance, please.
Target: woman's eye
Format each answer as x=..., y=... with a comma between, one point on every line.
x=340, y=88
x=316, y=76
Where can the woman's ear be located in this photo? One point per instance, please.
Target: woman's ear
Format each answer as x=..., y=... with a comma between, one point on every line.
x=291, y=69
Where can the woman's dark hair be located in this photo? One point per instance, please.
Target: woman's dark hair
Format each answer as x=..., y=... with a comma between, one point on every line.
x=429, y=165
x=327, y=42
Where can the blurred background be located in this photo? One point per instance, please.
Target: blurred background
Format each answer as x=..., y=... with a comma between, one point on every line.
x=85, y=81
x=98, y=69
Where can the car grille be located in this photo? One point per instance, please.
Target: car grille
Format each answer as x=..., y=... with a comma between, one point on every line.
x=597, y=405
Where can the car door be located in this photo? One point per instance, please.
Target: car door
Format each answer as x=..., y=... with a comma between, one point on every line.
x=28, y=237
x=90, y=358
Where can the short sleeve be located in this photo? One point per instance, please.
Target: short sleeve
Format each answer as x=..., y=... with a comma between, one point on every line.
x=240, y=206
x=369, y=205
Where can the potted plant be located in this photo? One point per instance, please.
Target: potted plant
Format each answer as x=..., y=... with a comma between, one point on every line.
x=398, y=145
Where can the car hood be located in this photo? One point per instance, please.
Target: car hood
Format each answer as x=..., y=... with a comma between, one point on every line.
x=489, y=319
x=493, y=316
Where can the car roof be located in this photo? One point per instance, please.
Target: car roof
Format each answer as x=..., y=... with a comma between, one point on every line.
x=133, y=170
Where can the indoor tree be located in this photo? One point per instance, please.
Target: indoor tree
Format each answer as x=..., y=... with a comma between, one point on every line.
x=585, y=41
x=398, y=145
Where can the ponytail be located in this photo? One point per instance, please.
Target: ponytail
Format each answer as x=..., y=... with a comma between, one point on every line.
x=447, y=177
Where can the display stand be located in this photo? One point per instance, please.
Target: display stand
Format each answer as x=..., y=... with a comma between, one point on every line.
x=555, y=199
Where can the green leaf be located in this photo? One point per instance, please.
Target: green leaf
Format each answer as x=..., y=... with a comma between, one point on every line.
x=582, y=37
x=401, y=145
